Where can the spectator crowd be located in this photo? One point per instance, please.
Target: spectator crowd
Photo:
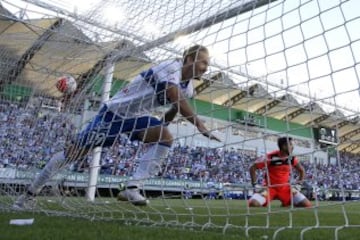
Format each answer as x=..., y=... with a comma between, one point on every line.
x=28, y=138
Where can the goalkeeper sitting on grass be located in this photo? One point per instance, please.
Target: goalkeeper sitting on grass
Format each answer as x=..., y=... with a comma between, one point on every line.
x=129, y=111
x=277, y=165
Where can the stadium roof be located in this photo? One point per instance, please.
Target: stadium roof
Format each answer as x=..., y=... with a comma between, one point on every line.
x=37, y=52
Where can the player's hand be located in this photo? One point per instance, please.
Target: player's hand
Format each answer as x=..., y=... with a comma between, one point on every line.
x=258, y=188
x=211, y=136
x=207, y=133
x=166, y=124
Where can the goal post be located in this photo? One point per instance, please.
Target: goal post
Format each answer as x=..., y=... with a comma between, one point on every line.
x=95, y=162
x=277, y=68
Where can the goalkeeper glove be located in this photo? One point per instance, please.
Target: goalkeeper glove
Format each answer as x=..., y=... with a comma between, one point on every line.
x=259, y=189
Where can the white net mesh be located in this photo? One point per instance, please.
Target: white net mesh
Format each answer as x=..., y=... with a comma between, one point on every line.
x=278, y=68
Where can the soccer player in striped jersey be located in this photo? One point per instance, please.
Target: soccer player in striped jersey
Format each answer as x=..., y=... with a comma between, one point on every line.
x=278, y=166
x=129, y=112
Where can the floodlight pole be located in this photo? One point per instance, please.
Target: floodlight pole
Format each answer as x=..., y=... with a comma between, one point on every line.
x=95, y=162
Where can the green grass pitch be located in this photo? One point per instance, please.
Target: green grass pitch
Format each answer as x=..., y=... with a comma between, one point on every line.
x=180, y=219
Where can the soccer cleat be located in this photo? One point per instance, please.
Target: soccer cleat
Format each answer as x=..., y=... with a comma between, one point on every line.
x=132, y=195
x=24, y=202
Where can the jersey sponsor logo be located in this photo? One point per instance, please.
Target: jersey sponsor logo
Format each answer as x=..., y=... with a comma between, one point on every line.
x=275, y=160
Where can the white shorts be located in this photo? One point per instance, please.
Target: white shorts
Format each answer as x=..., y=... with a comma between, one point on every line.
x=259, y=198
x=298, y=197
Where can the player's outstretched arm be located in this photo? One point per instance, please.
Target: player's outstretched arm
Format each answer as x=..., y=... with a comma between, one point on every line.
x=301, y=172
x=176, y=97
x=253, y=174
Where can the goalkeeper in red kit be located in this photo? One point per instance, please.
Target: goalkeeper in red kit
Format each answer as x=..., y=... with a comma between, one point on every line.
x=278, y=167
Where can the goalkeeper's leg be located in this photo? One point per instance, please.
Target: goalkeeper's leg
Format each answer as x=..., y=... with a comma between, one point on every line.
x=159, y=140
x=257, y=200
x=299, y=199
x=261, y=197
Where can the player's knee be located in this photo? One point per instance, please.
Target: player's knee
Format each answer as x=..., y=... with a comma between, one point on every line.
x=254, y=203
x=166, y=137
x=300, y=200
x=306, y=203
x=167, y=141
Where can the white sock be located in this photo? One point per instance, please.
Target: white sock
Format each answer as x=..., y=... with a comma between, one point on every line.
x=150, y=163
x=51, y=168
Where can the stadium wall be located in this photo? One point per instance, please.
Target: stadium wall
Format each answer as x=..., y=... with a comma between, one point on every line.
x=231, y=114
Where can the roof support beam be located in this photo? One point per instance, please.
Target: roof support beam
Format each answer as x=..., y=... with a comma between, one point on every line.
x=207, y=82
x=99, y=65
x=30, y=52
x=230, y=102
x=349, y=135
x=352, y=147
x=298, y=112
x=317, y=120
x=346, y=122
x=341, y=124
x=267, y=107
x=293, y=114
x=270, y=105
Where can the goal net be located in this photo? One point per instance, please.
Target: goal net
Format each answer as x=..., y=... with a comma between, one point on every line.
x=278, y=68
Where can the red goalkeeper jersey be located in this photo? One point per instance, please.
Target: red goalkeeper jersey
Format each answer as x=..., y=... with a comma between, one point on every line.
x=279, y=167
